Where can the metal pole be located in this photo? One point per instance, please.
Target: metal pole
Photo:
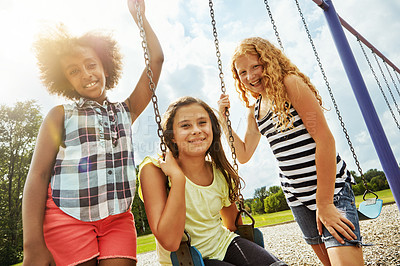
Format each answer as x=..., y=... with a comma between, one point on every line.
x=381, y=144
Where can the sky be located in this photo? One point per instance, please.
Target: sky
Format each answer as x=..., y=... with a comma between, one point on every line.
x=190, y=67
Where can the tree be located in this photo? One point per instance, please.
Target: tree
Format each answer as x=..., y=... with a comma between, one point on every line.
x=260, y=194
x=139, y=212
x=271, y=204
x=358, y=189
x=378, y=183
x=247, y=204
x=19, y=126
x=376, y=180
x=257, y=205
x=371, y=173
x=276, y=202
x=357, y=178
x=273, y=190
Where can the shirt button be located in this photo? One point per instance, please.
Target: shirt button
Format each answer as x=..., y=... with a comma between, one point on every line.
x=109, y=172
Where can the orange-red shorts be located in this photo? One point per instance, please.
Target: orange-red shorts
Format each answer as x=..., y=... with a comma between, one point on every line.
x=72, y=241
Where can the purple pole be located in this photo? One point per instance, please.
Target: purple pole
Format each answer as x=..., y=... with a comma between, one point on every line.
x=381, y=144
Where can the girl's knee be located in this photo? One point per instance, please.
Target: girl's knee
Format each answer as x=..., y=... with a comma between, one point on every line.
x=346, y=255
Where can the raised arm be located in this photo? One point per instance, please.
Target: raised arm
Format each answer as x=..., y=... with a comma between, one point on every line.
x=311, y=113
x=141, y=95
x=35, y=190
x=166, y=214
x=244, y=148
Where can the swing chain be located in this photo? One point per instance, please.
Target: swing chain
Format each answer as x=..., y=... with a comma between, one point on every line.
x=333, y=99
x=391, y=77
x=395, y=72
x=241, y=201
x=152, y=85
x=223, y=89
x=273, y=24
x=387, y=83
x=377, y=81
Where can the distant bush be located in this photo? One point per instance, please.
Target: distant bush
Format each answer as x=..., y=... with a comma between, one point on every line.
x=275, y=202
x=376, y=181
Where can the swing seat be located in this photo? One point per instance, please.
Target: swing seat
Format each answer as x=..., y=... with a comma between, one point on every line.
x=248, y=231
x=186, y=254
x=370, y=209
x=190, y=255
x=257, y=237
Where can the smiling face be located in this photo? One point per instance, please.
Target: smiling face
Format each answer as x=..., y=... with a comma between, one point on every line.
x=250, y=72
x=192, y=130
x=85, y=72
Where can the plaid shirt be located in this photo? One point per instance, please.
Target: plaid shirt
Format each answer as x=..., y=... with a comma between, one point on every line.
x=94, y=173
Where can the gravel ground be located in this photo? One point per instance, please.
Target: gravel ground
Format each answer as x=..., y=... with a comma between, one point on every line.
x=286, y=242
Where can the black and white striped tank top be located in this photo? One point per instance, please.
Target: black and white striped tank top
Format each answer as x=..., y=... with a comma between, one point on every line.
x=294, y=150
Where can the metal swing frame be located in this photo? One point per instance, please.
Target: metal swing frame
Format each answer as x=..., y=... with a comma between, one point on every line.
x=375, y=129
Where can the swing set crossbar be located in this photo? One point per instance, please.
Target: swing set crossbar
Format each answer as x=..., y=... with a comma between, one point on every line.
x=322, y=4
x=348, y=27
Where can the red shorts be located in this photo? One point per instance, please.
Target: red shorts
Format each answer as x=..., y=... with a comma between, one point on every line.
x=72, y=241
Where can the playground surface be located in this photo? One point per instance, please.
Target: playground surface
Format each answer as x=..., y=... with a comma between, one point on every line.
x=285, y=241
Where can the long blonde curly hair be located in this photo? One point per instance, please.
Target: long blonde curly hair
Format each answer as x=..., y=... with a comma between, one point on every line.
x=276, y=66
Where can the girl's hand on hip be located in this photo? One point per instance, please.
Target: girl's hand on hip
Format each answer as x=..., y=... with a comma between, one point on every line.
x=329, y=216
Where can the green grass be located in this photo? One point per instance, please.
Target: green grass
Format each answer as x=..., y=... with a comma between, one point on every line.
x=270, y=218
x=146, y=243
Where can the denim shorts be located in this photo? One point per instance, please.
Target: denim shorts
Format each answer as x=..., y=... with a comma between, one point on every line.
x=306, y=219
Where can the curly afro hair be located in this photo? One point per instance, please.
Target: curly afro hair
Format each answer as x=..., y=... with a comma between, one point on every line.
x=52, y=45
